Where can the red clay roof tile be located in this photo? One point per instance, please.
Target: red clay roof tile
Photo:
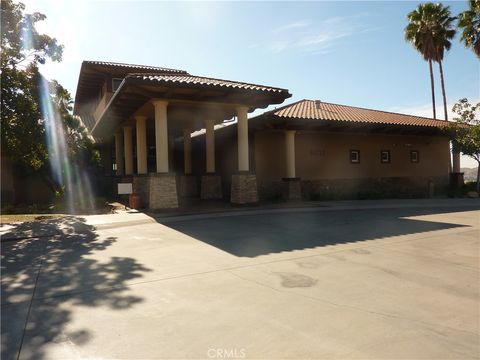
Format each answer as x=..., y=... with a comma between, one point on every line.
x=319, y=110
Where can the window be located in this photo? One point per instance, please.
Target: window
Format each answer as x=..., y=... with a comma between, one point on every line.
x=116, y=83
x=355, y=156
x=385, y=156
x=414, y=156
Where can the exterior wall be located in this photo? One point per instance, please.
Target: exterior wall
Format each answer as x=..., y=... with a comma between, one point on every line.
x=323, y=163
x=23, y=188
x=102, y=104
x=7, y=184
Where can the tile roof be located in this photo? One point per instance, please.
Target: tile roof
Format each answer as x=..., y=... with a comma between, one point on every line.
x=133, y=66
x=319, y=110
x=204, y=81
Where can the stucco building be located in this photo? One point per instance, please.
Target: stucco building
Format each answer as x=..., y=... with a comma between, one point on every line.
x=164, y=131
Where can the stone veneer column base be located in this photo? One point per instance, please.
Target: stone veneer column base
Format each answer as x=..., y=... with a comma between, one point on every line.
x=188, y=186
x=244, y=189
x=141, y=186
x=211, y=187
x=292, y=189
x=162, y=191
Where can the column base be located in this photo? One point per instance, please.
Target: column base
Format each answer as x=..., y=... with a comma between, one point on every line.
x=162, y=191
x=244, y=189
x=188, y=186
x=211, y=187
x=292, y=189
x=141, y=186
x=456, y=180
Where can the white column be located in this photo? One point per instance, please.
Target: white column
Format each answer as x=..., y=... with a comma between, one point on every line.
x=187, y=151
x=128, y=149
x=161, y=135
x=119, y=153
x=141, y=131
x=242, y=138
x=210, y=142
x=455, y=162
x=290, y=153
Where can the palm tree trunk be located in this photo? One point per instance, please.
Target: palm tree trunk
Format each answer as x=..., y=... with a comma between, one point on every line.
x=433, y=89
x=443, y=90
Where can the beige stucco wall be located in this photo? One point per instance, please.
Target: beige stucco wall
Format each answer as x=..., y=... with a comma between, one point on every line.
x=327, y=156
x=102, y=104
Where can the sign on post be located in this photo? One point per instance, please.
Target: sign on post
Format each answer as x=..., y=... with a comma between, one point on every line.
x=125, y=188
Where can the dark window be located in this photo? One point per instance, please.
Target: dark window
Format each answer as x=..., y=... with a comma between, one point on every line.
x=385, y=156
x=355, y=156
x=116, y=83
x=414, y=156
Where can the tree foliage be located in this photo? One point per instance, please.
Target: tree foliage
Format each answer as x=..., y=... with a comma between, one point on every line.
x=21, y=43
x=466, y=131
x=24, y=90
x=430, y=29
x=469, y=22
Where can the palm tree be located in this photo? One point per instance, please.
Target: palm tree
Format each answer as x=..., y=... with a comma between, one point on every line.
x=419, y=32
x=430, y=30
x=444, y=31
x=469, y=21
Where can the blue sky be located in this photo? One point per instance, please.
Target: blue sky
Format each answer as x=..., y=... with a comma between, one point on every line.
x=343, y=52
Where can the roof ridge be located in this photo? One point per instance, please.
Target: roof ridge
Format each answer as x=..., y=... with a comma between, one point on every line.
x=155, y=74
x=114, y=63
x=382, y=111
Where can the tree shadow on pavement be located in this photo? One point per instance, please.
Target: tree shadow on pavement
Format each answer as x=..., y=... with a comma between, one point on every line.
x=51, y=269
x=261, y=234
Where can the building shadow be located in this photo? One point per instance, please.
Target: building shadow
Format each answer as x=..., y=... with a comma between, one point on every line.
x=48, y=267
x=261, y=234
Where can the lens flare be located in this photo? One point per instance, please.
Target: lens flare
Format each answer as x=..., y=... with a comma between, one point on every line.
x=67, y=171
x=26, y=35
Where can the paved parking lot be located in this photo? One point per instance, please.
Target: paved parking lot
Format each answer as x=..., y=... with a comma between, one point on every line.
x=371, y=282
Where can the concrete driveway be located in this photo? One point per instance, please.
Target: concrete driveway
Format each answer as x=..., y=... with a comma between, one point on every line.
x=380, y=282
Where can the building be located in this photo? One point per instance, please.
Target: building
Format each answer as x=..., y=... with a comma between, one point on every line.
x=143, y=119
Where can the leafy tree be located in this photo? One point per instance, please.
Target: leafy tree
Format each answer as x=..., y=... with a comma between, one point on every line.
x=469, y=21
x=20, y=42
x=24, y=90
x=23, y=48
x=466, y=131
x=430, y=30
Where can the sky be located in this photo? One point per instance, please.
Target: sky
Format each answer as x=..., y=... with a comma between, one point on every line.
x=345, y=52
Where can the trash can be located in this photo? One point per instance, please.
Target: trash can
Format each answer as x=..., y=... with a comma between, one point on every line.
x=134, y=201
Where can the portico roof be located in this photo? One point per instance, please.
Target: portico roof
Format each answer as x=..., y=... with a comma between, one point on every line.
x=201, y=81
x=190, y=98
x=92, y=75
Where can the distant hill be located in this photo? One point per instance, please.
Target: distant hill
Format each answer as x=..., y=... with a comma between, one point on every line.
x=469, y=174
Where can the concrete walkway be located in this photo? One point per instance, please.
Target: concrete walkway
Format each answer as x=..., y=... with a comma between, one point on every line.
x=396, y=280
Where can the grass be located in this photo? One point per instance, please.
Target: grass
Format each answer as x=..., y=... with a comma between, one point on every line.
x=13, y=218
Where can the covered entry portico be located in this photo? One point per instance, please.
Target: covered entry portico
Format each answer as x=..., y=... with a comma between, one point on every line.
x=149, y=113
